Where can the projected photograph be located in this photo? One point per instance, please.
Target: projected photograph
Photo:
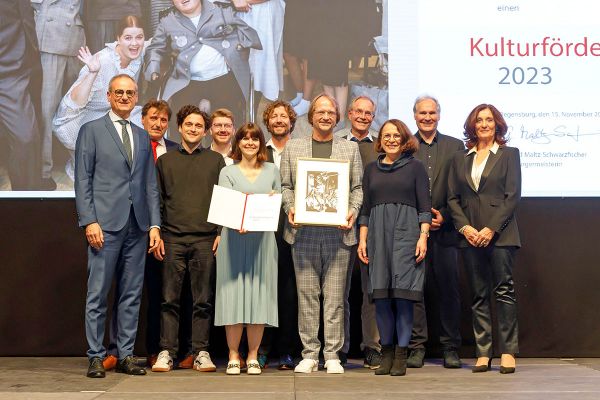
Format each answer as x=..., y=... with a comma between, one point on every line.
x=57, y=58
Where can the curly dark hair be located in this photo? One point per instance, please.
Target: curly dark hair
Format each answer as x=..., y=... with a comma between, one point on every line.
x=288, y=109
x=183, y=113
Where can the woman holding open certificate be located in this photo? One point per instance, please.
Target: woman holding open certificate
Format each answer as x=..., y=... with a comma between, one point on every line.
x=247, y=261
x=394, y=226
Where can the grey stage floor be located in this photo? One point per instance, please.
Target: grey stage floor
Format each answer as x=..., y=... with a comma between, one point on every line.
x=63, y=378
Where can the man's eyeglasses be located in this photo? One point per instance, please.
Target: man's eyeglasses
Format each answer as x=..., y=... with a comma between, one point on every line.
x=120, y=92
x=322, y=113
x=363, y=113
x=222, y=126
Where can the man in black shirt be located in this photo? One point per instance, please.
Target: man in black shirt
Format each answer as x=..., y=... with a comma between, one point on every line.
x=361, y=113
x=186, y=178
x=436, y=152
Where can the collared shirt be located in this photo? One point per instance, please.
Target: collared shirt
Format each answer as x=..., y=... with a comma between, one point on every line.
x=276, y=152
x=161, y=148
x=208, y=63
x=368, y=138
x=428, y=155
x=183, y=150
x=115, y=118
x=228, y=160
x=477, y=170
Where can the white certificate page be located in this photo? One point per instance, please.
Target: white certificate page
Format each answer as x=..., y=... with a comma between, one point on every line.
x=236, y=210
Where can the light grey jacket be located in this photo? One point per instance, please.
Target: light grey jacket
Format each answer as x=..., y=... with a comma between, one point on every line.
x=218, y=28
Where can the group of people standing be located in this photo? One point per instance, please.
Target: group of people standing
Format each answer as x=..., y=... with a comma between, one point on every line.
x=413, y=199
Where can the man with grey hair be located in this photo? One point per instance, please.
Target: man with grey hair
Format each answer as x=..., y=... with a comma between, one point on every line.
x=361, y=114
x=436, y=152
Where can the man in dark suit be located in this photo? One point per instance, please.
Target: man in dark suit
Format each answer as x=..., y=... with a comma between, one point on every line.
x=156, y=115
x=20, y=69
x=117, y=201
x=279, y=117
x=436, y=152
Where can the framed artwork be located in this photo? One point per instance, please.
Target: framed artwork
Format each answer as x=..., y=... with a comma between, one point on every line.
x=322, y=190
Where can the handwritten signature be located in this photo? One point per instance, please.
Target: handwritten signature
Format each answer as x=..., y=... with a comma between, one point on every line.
x=543, y=136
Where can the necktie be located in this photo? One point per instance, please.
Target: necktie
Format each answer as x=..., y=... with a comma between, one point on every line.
x=126, y=140
x=154, y=145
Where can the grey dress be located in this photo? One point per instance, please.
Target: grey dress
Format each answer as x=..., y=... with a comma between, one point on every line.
x=247, y=263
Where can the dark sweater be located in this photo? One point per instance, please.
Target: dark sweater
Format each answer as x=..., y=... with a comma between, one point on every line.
x=185, y=182
x=407, y=184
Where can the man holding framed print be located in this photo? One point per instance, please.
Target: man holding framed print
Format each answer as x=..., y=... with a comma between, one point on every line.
x=321, y=254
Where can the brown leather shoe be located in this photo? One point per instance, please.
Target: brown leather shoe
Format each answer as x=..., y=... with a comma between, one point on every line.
x=186, y=363
x=151, y=360
x=110, y=362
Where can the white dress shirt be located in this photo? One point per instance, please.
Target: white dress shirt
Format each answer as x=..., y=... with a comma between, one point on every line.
x=477, y=170
x=115, y=118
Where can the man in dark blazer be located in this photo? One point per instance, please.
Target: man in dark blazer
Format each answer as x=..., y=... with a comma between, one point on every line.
x=117, y=200
x=321, y=253
x=20, y=70
x=361, y=114
x=436, y=152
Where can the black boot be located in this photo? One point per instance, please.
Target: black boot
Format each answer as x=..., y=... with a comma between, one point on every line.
x=387, y=356
x=399, y=363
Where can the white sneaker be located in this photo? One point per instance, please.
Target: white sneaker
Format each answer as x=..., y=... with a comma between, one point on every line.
x=334, y=367
x=306, y=366
x=164, y=362
x=296, y=100
x=203, y=363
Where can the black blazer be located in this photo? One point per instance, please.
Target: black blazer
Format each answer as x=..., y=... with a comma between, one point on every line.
x=171, y=145
x=447, y=148
x=494, y=204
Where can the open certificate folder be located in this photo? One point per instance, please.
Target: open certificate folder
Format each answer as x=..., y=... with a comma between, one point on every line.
x=237, y=210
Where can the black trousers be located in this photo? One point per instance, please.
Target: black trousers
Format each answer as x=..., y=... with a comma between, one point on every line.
x=222, y=92
x=489, y=271
x=441, y=277
x=153, y=288
x=285, y=338
x=197, y=258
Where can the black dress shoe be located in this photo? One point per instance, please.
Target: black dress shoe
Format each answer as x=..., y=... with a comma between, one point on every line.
x=415, y=360
x=483, y=368
x=451, y=359
x=95, y=369
x=129, y=367
x=507, y=370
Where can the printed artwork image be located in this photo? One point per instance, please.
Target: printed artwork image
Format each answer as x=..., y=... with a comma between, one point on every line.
x=322, y=191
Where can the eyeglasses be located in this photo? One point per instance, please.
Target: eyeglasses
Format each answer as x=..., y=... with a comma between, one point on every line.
x=120, y=92
x=322, y=113
x=221, y=126
x=389, y=137
x=363, y=113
